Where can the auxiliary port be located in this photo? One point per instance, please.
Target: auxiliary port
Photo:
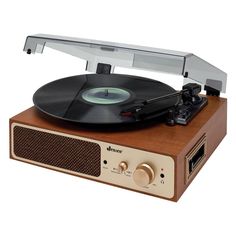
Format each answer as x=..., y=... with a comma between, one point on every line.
x=194, y=158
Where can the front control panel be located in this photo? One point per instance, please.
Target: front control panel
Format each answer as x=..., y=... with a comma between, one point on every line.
x=137, y=169
x=126, y=167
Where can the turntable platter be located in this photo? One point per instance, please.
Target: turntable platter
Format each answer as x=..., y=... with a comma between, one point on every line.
x=99, y=98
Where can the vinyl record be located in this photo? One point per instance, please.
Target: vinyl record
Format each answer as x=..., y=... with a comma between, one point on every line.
x=99, y=98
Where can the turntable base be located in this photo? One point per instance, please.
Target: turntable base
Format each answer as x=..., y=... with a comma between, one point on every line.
x=158, y=160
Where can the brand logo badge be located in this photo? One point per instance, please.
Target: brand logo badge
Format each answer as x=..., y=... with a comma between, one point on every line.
x=110, y=149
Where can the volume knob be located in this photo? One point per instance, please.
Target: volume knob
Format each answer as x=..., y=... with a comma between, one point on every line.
x=143, y=175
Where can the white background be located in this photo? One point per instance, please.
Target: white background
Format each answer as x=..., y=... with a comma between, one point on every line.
x=37, y=201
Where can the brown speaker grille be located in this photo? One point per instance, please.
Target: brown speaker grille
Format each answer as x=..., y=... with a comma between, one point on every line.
x=56, y=150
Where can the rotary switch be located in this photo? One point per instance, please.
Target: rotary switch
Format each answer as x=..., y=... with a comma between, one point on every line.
x=143, y=175
x=123, y=166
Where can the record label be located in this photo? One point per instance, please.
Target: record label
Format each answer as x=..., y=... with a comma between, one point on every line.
x=105, y=95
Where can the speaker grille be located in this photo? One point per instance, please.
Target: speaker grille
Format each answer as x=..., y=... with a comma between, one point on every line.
x=56, y=150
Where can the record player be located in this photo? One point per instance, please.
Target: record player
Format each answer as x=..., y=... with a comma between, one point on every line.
x=123, y=130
